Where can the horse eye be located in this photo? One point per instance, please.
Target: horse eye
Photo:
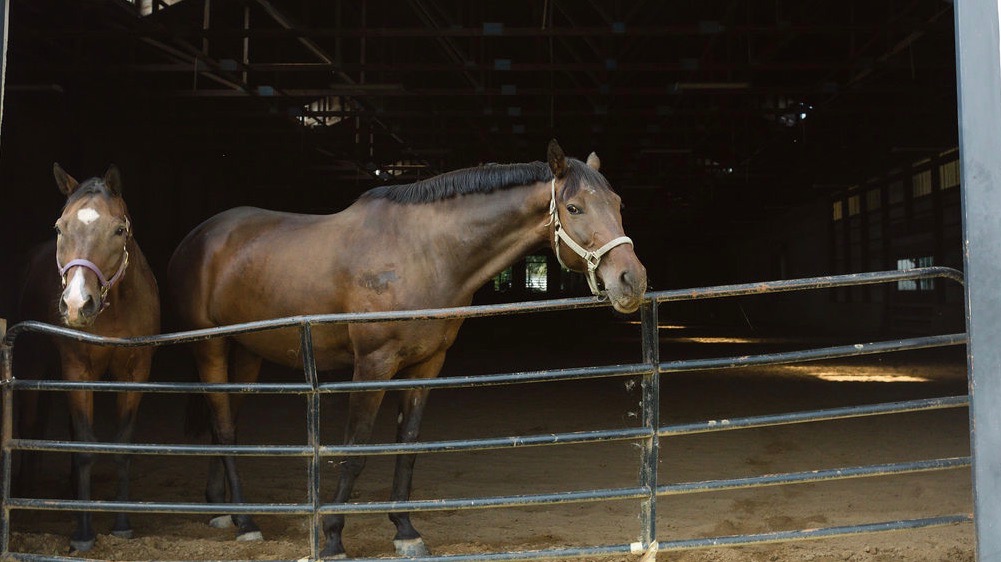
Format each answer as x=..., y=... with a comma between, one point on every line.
x=574, y=209
x=120, y=231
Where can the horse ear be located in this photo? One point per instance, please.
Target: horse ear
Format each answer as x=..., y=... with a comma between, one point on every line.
x=594, y=162
x=113, y=179
x=67, y=185
x=557, y=160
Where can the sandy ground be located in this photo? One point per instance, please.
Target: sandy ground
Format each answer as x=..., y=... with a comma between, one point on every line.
x=596, y=404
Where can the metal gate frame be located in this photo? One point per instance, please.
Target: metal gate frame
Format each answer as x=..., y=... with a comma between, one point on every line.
x=648, y=433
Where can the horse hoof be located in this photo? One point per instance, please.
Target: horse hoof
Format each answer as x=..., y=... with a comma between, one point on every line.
x=328, y=553
x=81, y=546
x=221, y=522
x=123, y=533
x=411, y=548
x=250, y=536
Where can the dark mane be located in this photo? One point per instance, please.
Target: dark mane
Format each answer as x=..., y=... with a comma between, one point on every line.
x=482, y=179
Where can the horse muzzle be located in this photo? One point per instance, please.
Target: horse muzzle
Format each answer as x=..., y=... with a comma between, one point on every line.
x=624, y=280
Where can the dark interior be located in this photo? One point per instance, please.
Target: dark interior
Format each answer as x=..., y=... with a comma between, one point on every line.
x=750, y=141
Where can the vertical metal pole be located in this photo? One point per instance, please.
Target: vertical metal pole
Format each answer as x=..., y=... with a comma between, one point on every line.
x=978, y=64
x=4, y=22
x=313, y=433
x=246, y=41
x=206, y=13
x=6, y=432
x=651, y=421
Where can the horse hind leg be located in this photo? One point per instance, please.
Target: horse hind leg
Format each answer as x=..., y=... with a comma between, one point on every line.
x=408, y=541
x=211, y=357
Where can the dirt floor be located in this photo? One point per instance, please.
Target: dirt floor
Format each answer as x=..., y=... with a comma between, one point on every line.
x=597, y=404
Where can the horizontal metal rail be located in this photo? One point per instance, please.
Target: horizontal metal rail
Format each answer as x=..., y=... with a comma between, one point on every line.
x=829, y=414
x=328, y=509
x=457, y=445
x=634, y=369
x=468, y=381
x=821, y=533
x=575, y=438
x=853, y=350
x=787, y=285
x=809, y=476
x=522, y=500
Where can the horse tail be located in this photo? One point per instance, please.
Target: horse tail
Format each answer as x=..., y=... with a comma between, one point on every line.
x=197, y=415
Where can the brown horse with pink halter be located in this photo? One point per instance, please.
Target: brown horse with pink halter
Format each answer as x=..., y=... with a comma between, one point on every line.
x=429, y=244
x=66, y=283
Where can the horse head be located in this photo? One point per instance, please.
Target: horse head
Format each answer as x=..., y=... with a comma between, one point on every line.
x=586, y=216
x=91, y=245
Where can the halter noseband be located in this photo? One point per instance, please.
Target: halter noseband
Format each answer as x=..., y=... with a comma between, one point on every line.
x=106, y=284
x=593, y=259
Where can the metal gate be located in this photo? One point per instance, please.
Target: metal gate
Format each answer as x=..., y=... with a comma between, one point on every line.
x=647, y=434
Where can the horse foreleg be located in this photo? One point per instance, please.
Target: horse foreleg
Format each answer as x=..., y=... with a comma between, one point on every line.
x=81, y=404
x=362, y=409
x=128, y=404
x=408, y=541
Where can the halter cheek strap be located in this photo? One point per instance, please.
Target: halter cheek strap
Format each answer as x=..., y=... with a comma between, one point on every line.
x=593, y=259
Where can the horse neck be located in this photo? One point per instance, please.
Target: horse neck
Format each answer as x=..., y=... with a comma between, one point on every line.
x=488, y=233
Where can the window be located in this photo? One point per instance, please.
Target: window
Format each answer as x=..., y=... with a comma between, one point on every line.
x=853, y=205
x=921, y=184
x=323, y=112
x=536, y=274
x=872, y=199
x=836, y=211
x=915, y=284
x=502, y=281
x=949, y=174
x=897, y=192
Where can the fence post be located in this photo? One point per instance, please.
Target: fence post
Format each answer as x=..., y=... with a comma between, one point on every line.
x=6, y=458
x=4, y=25
x=313, y=433
x=978, y=66
x=651, y=422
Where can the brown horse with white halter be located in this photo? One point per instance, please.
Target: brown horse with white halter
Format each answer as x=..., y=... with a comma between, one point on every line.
x=430, y=244
x=94, y=278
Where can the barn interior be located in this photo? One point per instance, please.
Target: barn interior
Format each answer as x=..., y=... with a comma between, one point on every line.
x=750, y=141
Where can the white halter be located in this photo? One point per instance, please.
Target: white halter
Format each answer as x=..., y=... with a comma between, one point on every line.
x=593, y=259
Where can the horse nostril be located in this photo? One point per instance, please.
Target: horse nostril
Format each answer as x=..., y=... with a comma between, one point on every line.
x=89, y=307
x=63, y=308
x=626, y=279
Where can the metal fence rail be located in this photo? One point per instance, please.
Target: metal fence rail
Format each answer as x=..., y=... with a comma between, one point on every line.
x=648, y=434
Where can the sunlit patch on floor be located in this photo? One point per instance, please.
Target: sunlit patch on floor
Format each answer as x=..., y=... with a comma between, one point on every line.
x=853, y=373
x=718, y=340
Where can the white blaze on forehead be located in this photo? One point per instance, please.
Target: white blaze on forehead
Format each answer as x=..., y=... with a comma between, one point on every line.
x=87, y=215
x=74, y=294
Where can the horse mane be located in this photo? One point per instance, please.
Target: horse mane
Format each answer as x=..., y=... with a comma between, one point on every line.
x=481, y=179
x=92, y=186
